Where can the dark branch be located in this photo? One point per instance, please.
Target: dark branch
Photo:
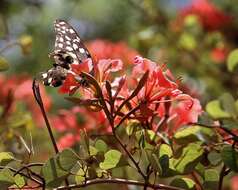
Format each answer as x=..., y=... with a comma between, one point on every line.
x=119, y=181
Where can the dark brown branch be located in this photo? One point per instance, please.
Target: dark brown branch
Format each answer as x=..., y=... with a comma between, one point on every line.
x=36, y=92
x=129, y=155
x=22, y=174
x=195, y=177
x=119, y=181
x=222, y=174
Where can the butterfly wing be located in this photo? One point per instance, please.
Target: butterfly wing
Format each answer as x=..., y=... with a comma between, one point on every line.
x=68, y=43
x=69, y=49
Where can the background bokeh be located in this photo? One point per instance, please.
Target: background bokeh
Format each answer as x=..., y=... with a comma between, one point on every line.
x=193, y=39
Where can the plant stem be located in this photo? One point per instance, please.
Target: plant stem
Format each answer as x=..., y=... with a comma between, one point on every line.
x=36, y=92
x=119, y=181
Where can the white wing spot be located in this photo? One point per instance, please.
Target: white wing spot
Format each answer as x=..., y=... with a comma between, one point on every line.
x=75, y=46
x=44, y=75
x=68, y=42
x=81, y=50
x=68, y=38
x=69, y=48
x=76, y=40
x=60, y=45
x=71, y=30
x=61, y=39
x=50, y=80
x=62, y=23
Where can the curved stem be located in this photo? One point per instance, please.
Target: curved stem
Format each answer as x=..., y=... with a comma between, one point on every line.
x=36, y=92
x=119, y=181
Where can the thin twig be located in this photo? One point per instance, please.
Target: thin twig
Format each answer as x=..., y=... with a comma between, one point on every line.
x=127, y=115
x=22, y=174
x=222, y=175
x=195, y=177
x=36, y=92
x=129, y=155
x=119, y=181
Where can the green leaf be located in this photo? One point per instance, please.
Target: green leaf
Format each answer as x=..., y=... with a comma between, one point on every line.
x=165, y=149
x=112, y=158
x=228, y=104
x=101, y=146
x=67, y=159
x=211, y=177
x=184, y=183
x=80, y=176
x=156, y=164
x=5, y=158
x=19, y=181
x=214, y=109
x=53, y=174
x=189, y=158
x=229, y=157
x=6, y=178
x=232, y=60
x=131, y=127
x=160, y=161
x=3, y=64
x=194, y=133
x=92, y=151
x=214, y=158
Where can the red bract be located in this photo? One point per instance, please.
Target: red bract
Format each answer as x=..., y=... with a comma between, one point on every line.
x=102, y=72
x=21, y=90
x=210, y=16
x=103, y=49
x=185, y=110
x=146, y=90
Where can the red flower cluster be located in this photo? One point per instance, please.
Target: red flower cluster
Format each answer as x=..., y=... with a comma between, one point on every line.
x=153, y=95
x=103, y=49
x=20, y=90
x=210, y=16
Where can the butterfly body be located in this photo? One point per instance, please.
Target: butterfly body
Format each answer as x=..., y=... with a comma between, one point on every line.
x=69, y=50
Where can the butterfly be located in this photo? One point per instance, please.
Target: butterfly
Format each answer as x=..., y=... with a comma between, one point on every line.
x=68, y=50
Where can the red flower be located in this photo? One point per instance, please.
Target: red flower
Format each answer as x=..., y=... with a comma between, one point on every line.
x=219, y=54
x=71, y=122
x=185, y=111
x=103, y=49
x=158, y=88
x=21, y=89
x=234, y=183
x=210, y=16
x=67, y=141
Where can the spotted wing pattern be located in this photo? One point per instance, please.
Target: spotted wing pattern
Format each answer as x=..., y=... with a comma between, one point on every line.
x=68, y=42
x=68, y=50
